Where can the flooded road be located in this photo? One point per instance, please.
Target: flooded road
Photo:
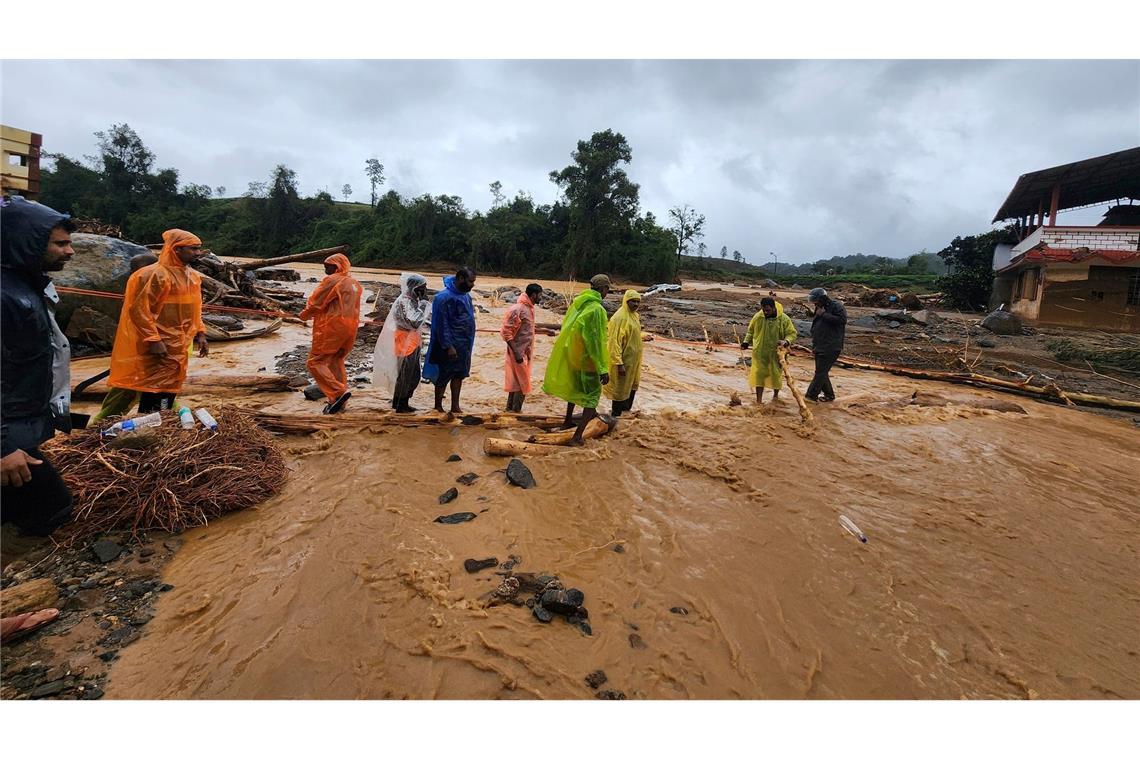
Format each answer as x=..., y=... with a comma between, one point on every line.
x=1002, y=559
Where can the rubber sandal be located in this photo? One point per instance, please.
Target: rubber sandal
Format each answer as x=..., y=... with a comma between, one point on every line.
x=18, y=626
x=337, y=405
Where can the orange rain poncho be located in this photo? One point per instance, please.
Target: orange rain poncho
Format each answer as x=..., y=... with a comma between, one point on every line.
x=518, y=333
x=163, y=303
x=334, y=307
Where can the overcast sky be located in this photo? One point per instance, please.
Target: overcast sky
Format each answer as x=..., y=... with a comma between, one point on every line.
x=808, y=159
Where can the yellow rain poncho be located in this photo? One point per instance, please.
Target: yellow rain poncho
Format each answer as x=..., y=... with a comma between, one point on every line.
x=763, y=334
x=579, y=355
x=162, y=303
x=624, y=347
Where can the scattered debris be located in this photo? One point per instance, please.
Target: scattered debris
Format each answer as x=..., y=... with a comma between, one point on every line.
x=636, y=642
x=453, y=519
x=449, y=495
x=610, y=694
x=679, y=610
x=475, y=565
x=596, y=679
x=467, y=478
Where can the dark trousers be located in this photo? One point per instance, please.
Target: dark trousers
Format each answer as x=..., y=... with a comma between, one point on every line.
x=821, y=383
x=39, y=506
x=624, y=406
x=155, y=402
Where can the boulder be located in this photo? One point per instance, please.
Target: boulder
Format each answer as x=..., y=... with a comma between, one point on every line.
x=520, y=475
x=772, y=284
x=864, y=321
x=104, y=550
x=927, y=317
x=910, y=301
x=100, y=263
x=34, y=595
x=1002, y=323
x=91, y=327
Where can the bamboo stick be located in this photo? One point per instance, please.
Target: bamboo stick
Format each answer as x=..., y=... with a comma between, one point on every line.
x=805, y=413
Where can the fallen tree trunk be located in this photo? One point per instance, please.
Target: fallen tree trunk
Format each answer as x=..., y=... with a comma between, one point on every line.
x=216, y=333
x=197, y=384
x=303, y=424
x=289, y=258
x=508, y=447
x=805, y=413
x=601, y=425
x=1048, y=392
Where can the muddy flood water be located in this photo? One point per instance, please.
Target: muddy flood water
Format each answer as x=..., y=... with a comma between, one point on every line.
x=1003, y=558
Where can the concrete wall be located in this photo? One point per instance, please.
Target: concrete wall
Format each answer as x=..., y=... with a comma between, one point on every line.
x=1069, y=296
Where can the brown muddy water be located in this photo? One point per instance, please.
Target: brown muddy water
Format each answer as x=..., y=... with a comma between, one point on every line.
x=1002, y=559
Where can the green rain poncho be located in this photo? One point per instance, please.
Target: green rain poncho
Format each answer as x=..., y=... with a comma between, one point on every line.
x=764, y=334
x=624, y=348
x=579, y=354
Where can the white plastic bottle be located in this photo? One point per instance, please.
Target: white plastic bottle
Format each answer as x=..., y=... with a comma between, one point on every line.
x=123, y=427
x=185, y=418
x=852, y=528
x=207, y=419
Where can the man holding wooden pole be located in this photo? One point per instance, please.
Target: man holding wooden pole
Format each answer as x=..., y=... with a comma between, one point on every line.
x=767, y=331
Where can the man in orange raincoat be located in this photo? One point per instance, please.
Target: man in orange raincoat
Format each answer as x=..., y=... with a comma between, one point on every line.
x=518, y=333
x=334, y=307
x=161, y=317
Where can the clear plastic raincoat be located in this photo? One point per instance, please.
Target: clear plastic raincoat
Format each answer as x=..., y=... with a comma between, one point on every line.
x=625, y=349
x=579, y=355
x=401, y=335
x=518, y=333
x=334, y=307
x=162, y=303
x=764, y=334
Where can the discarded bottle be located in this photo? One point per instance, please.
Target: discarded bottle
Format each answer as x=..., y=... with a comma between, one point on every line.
x=207, y=419
x=852, y=528
x=123, y=427
x=185, y=418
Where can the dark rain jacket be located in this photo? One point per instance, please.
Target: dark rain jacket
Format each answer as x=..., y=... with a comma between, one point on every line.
x=34, y=355
x=827, y=330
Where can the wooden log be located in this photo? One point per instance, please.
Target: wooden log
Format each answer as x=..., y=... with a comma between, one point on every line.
x=289, y=258
x=507, y=447
x=304, y=424
x=782, y=358
x=34, y=595
x=218, y=334
x=1049, y=392
x=601, y=425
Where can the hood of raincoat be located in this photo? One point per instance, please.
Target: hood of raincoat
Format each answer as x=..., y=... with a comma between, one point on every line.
x=449, y=283
x=631, y=295
x=340, y=261
x=409, y=281
x=26, y=228
x=172, y=239
x=524, y=299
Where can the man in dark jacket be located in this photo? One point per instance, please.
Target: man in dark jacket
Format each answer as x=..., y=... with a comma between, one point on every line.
x=827, y=329
x=35, y=398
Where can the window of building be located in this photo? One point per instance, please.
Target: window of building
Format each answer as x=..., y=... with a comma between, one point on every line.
x=1030, y=289
x=1134, y=287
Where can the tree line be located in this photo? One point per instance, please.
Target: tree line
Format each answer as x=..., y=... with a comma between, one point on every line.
x=595, y=226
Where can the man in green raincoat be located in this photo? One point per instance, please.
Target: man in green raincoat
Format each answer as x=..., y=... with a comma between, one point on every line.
x=579, y=364
x=624, y=348
x=767, y=330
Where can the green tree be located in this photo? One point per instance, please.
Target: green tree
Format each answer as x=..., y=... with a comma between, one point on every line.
x=724, y=251
x=970, y=278
x=374, y=170
x=346, y=191
x=601, y=198
x=737, y=257
x=497, y=196
x=686, y=226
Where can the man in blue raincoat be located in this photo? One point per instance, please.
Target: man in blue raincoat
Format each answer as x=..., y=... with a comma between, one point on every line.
x=452, y=337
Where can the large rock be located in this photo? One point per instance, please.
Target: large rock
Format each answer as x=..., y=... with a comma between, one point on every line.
x=927, y=317
x=100, y=263
x=34, y=595
x=910, y=301
x=1002, y=323
x=92, y=328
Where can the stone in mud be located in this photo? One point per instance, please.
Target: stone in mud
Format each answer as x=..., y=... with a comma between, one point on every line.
x=619, y=548
x=146, y=551
x=313, y=392
x=453, y=519
x=636, y=642
x=449, y=496
x=1002, y=323
x=520, y=475
x=49, y=689
x=512, y=560
x=596, y=679
x=455, y=458
x=109, y=655
x=475, y=565
x=141, y=618
x=544, y=615
x=585, y=628
x=467, y=478
x=987, y=343
x=611, y=694
x=582, y=612
x=564, y=602
x=679, y=610
x=106, y=551
x=470, y=419
x=165, y=587
x=93, y=692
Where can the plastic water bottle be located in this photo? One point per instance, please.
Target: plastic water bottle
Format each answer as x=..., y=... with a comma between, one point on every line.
x=207, y=419
x=185, y=418
x=123, y=427
x=852, y=528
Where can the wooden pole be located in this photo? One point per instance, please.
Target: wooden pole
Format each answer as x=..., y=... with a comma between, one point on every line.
x=805, y=413
x=1054, y=202
x=291, y=258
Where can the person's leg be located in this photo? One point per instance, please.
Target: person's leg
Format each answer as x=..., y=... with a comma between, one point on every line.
x=827, y=391
x=520, y=397
x=155, y=402
x=816, y=384
x=587, y=415
x=321, y=368
x=759, y=395
x=456, y=389
x=569, y=421
x=440, y=389
x=616, y=408
x=42, y=504
x=628, y=405
x=511, y=401
x=775, y=394
x=116, y=403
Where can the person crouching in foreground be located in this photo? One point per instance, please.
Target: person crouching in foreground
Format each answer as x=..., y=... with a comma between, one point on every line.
x=579, y=362
x=334, y=307
x=625, y=350
x=518, y=333
x=396, y=360
x=768, y=330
